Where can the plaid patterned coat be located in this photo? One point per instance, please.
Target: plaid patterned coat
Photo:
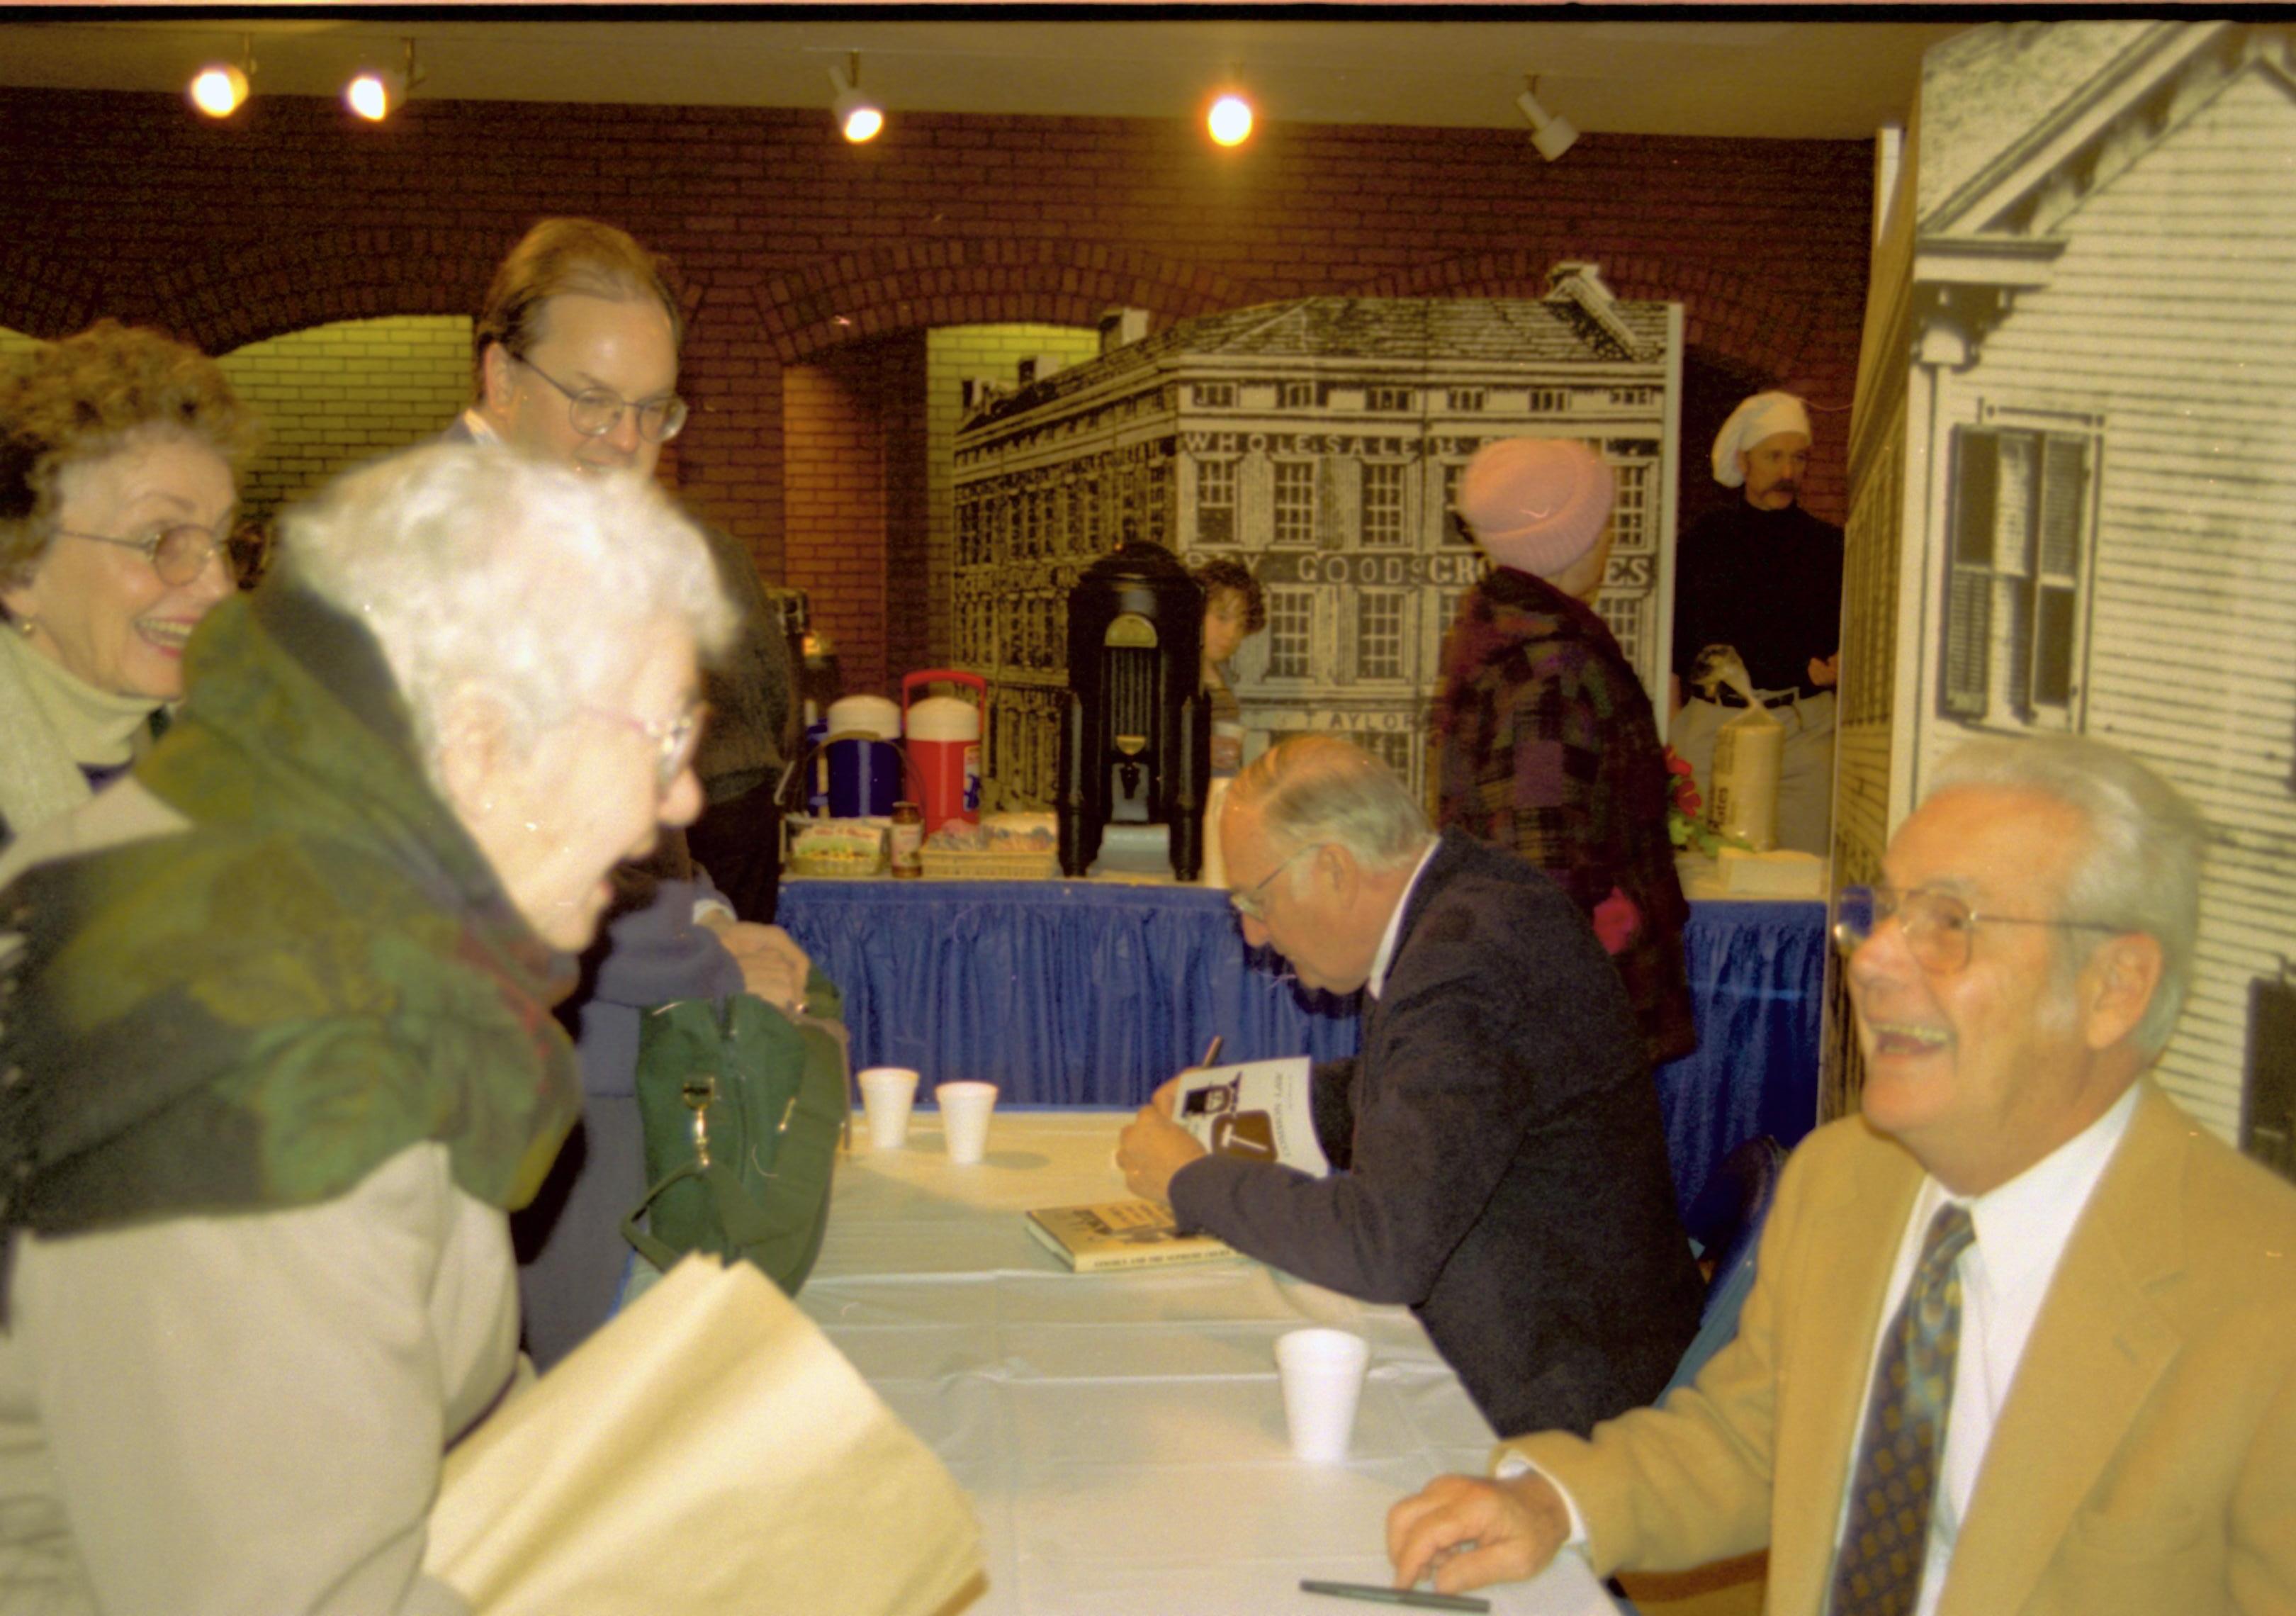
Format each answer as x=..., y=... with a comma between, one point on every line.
x=1546, y=746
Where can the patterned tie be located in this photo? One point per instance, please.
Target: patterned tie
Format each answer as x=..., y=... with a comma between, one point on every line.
x=1877, y=1570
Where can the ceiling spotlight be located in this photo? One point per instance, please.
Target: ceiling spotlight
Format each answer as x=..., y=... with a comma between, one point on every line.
x=859, y=117
x=1229, y=122
x=1553, y=135
x=376, y=95
x=220, y=89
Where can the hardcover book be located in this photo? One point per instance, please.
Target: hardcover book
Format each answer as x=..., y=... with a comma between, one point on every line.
x=1120, y=1235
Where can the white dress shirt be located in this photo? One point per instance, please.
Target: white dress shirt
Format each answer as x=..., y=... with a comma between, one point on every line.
x=2023, y=1229
x=1380, y=960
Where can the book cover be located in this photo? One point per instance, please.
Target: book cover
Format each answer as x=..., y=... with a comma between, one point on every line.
x=1120, y=1234
x=1261, y=1111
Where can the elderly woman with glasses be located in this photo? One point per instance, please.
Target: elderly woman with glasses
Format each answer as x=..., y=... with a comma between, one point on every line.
x=278, y=1037
x=116, y=455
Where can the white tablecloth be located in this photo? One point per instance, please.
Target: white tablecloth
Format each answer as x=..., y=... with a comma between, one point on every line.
x=1122, y=1435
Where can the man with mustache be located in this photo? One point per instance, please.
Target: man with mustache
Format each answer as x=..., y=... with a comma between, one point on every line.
x=1764, y=576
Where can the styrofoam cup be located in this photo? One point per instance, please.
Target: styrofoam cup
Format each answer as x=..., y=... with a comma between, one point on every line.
x=887, y=1093
x=1323, y=1376
x=964, y=1109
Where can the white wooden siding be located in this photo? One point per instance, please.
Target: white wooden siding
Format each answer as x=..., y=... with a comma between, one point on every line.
x=2171, y=315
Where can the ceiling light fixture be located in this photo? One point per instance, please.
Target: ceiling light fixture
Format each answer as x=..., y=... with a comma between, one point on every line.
x=220, y=88
x=376, y=95
x=859, y=117
x=1229, y=121
x=1551, y=134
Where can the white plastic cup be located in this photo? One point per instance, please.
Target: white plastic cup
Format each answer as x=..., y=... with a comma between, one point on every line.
x=887, y=1093
x=964, y=1109
x=1323, y=1376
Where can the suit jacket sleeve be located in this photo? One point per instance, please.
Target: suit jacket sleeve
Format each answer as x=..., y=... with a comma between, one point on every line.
x=1474, y=1045
x=1689, y=1481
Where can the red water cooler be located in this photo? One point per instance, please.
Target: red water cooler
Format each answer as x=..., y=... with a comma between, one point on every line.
x=944, y=741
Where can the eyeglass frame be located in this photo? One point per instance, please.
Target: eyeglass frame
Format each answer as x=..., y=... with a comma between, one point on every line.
x=156, y=540
x=1883, y=903
x=1248, y=904
x=678, y=740
x=596, y=397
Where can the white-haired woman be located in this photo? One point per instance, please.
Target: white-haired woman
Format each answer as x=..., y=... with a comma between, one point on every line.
x=279, y=1047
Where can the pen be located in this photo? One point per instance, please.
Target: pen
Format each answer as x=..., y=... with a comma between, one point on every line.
x=1211, y=1050
x=1377, y=1595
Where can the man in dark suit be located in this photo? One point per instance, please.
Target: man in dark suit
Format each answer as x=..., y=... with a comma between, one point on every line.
x=576, y=358
x=1499, y=1163
x=2022, y=1338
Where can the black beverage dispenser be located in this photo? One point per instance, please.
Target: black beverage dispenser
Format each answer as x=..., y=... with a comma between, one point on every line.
x=1136, y=745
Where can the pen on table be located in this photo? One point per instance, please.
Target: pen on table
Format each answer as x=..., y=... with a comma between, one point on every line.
x=1211, y=1050
x=1376, y=1594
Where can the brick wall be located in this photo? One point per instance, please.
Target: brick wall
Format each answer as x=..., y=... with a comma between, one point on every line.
x=339, y=394
x=834, y=467
x=795, y=246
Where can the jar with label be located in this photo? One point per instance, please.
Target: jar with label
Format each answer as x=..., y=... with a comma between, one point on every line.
x=908, y=840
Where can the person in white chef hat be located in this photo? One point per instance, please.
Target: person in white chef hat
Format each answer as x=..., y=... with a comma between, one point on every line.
x=1763, y=577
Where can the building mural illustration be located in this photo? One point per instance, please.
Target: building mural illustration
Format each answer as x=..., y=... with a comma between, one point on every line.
x=1318, y=441
x=2072, y=471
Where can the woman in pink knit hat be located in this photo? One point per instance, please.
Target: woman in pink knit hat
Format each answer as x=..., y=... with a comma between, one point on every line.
x=1545, y=741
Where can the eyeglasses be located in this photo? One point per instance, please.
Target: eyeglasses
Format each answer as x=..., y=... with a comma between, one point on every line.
x=677, y=739
x=596, y=411
x=178, y=553
x=1938, y=926
x=1249, y=903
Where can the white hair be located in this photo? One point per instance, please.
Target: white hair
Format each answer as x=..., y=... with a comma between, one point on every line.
x=1314, y=789
x=471, y=564
x=2141, y=871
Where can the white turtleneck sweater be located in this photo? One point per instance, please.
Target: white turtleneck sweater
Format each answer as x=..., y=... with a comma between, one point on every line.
x=52, y=725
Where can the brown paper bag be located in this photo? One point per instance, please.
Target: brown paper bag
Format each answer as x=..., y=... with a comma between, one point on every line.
x=708, y=1451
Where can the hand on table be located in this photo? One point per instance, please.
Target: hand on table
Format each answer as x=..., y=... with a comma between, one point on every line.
x=1467, y=1532
x=773, y=967
x=1152, y=1147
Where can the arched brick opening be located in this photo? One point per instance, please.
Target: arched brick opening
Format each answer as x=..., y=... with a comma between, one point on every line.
x=235, y=296
x=45, y=297
x=811, y=310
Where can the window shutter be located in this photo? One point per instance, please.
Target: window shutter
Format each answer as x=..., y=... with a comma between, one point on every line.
x=1969, y=572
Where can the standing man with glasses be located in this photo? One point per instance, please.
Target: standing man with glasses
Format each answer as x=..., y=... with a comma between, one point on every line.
x=1499, y=1163
x=576, y=359
x=2023, y=1334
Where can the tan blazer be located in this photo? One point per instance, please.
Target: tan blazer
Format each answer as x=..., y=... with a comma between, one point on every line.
x=2145, y=1461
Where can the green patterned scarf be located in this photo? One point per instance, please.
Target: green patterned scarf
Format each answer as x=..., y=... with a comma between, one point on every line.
x=320, y=972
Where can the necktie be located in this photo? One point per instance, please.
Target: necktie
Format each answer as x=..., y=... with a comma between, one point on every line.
x=1877, y=1570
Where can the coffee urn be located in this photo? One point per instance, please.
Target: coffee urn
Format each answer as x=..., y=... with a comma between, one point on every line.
x=1136, y=743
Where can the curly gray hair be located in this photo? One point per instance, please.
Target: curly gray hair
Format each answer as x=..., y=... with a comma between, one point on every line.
x=472, y=564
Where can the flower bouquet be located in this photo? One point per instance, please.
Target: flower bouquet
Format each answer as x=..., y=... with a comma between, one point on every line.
x=1686, y=825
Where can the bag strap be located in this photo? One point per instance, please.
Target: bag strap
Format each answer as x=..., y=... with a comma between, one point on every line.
x=746, y=1223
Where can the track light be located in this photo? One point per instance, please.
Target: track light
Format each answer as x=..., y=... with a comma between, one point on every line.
x=1553, y=135
x=859, y=117
x=1229, y=122
x=220, y=88
x=376, y=95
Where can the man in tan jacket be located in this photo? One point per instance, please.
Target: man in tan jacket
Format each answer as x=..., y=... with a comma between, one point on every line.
x=2024, y=1337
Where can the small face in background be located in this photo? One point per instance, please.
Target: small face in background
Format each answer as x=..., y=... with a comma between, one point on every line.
x=101, y=609
x=621, y=346
x=1774, y=470
x=1225, y=614
x=593, y=790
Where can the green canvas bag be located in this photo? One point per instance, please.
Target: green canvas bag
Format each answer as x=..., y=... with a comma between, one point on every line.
x=743, y=1107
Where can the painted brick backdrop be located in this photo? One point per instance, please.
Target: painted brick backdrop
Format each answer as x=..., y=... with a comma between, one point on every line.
x=795, y=247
